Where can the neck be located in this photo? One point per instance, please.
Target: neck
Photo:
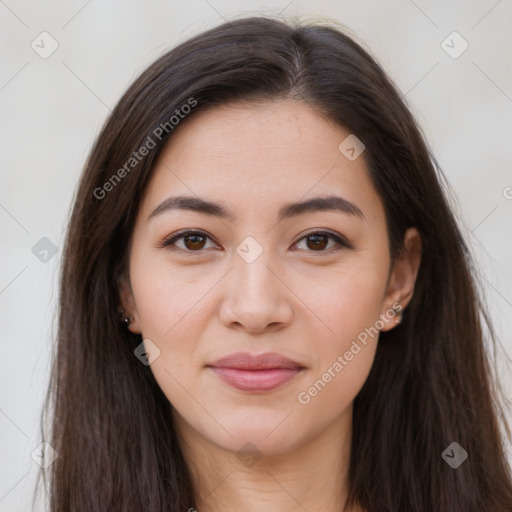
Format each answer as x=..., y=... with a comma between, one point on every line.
x=312, y=477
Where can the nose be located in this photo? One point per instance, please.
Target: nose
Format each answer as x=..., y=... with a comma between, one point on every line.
x=257, y=298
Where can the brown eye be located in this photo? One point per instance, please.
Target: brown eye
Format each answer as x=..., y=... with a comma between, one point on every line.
x=193, y=241
x=319, y=241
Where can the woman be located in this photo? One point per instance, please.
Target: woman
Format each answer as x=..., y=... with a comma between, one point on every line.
x=266, y=302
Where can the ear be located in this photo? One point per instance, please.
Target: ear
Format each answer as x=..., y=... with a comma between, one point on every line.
x=128, y=303
x=403, y=275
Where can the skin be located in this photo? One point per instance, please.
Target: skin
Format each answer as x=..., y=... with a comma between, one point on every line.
x=304, y=302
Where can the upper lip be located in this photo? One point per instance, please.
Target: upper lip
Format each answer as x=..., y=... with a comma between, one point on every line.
x=246, y=361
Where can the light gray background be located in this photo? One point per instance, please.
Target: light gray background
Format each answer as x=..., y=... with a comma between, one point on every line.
x=51, y=110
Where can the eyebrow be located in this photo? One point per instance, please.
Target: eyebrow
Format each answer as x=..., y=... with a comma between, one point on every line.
x=207, y=207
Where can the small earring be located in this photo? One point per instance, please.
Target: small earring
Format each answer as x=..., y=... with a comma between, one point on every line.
x=126, y=320
x=399, y=319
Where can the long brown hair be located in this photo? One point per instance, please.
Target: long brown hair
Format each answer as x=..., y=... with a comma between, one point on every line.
x=430, y=384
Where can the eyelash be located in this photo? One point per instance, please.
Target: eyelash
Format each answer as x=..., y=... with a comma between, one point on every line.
x=169, y=242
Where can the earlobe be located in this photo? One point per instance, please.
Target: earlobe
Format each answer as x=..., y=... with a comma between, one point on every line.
x=403, y=276
x=127, y=310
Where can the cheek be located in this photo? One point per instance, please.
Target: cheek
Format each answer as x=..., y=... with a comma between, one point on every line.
x=349, y=307
x=344, y=356
x=348, y=303
x=332, y=390
x=167, y=298
x=172, y=309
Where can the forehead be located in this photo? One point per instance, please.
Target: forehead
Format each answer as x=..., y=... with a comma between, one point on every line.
x=261, y=155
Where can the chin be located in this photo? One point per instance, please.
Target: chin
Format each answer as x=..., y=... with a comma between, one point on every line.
x=257, y=443
x=268, y=436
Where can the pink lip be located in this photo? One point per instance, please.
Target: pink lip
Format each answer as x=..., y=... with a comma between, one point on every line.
x=262, y=372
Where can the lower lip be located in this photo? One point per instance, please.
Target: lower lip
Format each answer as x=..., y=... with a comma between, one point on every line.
x=256, y=380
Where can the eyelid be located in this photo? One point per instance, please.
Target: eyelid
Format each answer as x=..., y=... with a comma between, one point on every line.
x=340, y=240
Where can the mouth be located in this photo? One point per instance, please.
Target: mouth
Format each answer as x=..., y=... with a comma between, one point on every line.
x=256, y=373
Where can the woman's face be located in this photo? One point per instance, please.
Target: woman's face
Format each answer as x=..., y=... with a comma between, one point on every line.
x=256, y=280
